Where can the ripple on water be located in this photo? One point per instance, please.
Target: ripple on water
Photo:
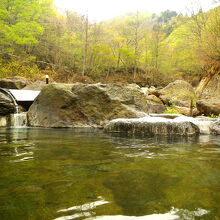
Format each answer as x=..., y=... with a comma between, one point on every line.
x=22, y=159
x=174, y=214
x=77, y=215
x=18, y=153
x=82, y=209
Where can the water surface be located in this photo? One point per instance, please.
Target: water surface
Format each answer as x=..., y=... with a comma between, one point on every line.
x=68, y=174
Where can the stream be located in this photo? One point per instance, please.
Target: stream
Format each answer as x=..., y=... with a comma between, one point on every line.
x=82, y=174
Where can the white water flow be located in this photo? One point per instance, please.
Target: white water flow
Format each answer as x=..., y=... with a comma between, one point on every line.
x=19, y=120
x=202, y=123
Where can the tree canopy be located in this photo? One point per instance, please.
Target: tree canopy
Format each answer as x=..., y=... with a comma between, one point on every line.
x=136, y=47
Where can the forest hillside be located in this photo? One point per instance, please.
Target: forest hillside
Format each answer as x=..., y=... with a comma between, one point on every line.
x=142, y=48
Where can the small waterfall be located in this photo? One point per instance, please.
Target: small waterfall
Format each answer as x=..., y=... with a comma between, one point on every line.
x=204, y=126
x=202, y=123
x=18, y=120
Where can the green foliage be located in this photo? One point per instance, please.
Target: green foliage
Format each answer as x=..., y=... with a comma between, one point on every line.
x=166, y=45
x=213, y=116
x=194, y=103
x=18, y=68
x=20, y=21
x=171, y=110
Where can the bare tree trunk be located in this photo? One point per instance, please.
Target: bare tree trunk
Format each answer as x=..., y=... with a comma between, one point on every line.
x=85, y=48
x=136, y=44
x=107, y=75
x=191, y=108
x=119, y=58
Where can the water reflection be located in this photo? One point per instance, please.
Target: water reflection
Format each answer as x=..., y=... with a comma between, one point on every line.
x=13, y=135
x=22, y=159
x=174, y=214
x=85, y=207
x=64, y=174
x=75, y=216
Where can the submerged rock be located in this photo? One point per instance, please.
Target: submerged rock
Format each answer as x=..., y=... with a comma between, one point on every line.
x=151, y=126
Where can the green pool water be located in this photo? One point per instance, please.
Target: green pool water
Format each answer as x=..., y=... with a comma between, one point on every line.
x=77, y=174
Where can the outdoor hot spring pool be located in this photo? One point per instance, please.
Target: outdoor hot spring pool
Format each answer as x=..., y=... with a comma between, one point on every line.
x=68, y=174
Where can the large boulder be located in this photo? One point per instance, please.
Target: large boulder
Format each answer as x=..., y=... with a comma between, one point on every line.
x=152, y=126
x=209, y=94
x=130, y=95
x=208, y=88
x=70, y=105
x=179, y=93
x=13, y=83
x=6, y=105
x=209, y=106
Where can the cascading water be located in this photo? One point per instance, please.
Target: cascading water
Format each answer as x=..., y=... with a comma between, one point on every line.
x=18, y=120
x=202, y=123
x=15, y=120
x=163, y=124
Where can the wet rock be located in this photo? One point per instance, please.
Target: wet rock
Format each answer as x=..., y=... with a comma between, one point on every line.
x=18, y=120
x=13, y=83
x=179, y=93
x=6, y=105
x=152, y=126
x=209, y=106
x=215, y=127
x=203, y=123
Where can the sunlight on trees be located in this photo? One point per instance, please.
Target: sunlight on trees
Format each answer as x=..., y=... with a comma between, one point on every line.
x=35, y=39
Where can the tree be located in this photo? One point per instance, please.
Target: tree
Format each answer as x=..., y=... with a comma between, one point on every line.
x=19, y=21
x=85, y=46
